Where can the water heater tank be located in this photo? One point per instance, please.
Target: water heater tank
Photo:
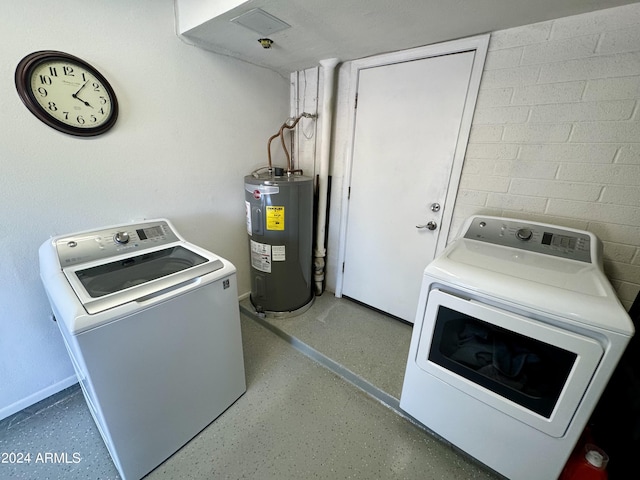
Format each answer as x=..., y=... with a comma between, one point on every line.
x=280, y=226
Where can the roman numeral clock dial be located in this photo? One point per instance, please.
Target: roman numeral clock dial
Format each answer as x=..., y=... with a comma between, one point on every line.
x=66, y=93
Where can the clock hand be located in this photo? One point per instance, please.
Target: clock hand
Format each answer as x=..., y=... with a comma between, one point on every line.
x=78, y=98
x=80, y=89
x=75, y=95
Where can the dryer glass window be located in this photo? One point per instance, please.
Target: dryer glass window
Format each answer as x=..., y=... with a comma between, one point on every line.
x=116, y=276
x=522, y=369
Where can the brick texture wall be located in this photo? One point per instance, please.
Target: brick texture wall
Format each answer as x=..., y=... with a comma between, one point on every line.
x=556, y=133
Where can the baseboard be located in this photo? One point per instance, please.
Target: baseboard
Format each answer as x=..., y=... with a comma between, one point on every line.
x=36, y=397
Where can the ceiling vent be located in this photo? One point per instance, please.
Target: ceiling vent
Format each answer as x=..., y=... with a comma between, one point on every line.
x=261, y=22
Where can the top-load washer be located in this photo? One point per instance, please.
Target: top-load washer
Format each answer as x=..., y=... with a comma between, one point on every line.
x=517, y=333
x=151, y=323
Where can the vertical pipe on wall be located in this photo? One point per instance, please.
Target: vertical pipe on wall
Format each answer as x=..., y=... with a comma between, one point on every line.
x=326, y=117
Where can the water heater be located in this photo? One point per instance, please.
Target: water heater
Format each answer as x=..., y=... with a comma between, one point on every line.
x=279, y=211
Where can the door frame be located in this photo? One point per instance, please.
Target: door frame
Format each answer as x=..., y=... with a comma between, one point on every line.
x=479, y=44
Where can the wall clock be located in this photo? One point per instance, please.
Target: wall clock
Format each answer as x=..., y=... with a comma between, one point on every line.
x=66, y=93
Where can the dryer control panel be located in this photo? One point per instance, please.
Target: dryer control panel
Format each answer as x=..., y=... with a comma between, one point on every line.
x=533, y=237
x=105, y=243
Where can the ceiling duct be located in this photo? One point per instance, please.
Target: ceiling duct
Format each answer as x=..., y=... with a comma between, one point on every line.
x=260, y=22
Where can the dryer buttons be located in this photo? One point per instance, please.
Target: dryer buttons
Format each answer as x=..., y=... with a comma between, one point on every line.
x=524, y=234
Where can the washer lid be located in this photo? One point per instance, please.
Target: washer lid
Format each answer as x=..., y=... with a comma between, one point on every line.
x=103, y=285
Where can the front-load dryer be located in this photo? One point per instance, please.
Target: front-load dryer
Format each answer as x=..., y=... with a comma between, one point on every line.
x=517, y=333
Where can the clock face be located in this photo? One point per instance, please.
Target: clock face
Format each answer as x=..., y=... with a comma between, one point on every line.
x=66, y=93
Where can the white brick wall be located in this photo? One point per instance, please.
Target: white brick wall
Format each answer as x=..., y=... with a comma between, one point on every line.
x=556, y=133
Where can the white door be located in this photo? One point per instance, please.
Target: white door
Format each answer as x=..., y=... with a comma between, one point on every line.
x=407, y=124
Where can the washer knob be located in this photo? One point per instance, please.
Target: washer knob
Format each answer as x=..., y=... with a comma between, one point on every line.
x=524, y=234
x=121, y=237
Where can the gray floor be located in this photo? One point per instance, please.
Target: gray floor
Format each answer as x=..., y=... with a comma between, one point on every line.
x=299, y=418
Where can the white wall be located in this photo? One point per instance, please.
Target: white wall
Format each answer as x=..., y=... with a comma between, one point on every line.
x=191, y=125
x=555, y=136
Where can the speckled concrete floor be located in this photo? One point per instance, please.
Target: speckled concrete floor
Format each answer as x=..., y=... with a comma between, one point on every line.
x=370, y=344
x=297, y=420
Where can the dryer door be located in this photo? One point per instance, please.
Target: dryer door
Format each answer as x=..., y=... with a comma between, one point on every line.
x=530, y=370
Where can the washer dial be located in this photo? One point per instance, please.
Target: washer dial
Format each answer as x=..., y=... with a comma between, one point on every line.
x=121, y=237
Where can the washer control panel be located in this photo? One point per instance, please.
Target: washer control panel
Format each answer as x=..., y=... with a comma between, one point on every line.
x=100, y=244
x=533, y=237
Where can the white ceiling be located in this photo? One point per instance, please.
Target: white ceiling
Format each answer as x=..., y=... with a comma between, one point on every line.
x=350, y=29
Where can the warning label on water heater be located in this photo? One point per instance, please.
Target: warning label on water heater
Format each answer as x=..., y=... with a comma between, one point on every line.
x=275, y=218
x=279, y=253
x=261, y=256
x=247, y=211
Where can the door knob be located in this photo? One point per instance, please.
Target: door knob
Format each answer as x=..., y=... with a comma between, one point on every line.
x=429, y=226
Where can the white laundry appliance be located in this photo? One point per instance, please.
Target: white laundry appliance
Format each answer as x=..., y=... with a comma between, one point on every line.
x=151, y=323
x=517, y=332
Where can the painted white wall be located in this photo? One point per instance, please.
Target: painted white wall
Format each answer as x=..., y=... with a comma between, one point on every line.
x=191, y=125
x=555, y=136
x=556, y=133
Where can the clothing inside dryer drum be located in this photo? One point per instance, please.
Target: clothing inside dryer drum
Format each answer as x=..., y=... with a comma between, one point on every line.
x=116, y=276
x=522, y=369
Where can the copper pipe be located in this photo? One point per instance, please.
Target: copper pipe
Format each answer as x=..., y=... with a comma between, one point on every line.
x=281, y=135
x=269, y=149
x=286, y=152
